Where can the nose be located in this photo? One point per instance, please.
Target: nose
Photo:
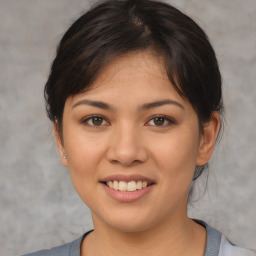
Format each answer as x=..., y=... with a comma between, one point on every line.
x=126, y=146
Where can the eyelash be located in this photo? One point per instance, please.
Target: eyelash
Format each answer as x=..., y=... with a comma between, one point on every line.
x=105, y=122
x=87, y=119
x=165, y=118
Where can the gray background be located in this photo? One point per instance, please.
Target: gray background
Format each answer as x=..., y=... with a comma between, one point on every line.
x=39, y=207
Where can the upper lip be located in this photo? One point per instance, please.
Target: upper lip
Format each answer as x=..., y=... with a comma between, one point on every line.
x=127, y=178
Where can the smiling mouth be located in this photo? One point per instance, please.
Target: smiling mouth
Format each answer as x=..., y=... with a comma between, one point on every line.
x=127, y=186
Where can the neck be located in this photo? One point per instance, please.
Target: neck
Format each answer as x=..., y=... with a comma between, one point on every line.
x=177, y=238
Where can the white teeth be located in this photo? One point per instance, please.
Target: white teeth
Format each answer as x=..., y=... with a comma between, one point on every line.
x=110, y=184
x=115, y=185
x=127, y=186
x=144, y=184
x=122, y=186
x=139, y=185
x=131, y=186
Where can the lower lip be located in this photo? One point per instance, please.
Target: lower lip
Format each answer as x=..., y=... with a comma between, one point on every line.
x=127, y=196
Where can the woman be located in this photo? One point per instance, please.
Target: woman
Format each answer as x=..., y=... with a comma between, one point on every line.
x=135, y=97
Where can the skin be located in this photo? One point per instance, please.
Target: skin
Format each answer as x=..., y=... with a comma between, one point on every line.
x=128, y=140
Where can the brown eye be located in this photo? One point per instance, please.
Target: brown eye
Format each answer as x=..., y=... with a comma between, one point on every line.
x=95, y=121
x=160, y=121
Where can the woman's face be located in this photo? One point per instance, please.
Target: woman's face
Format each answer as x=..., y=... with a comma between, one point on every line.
x=132, y=144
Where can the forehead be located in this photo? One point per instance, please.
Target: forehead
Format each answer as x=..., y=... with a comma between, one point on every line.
x=135, y=71
x=133, y=80
x=133, y=62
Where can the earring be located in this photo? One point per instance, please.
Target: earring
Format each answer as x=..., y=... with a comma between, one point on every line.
x=65, y=157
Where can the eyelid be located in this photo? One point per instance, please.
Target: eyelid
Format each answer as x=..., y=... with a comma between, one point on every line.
x=169, y=119
x=87, y=118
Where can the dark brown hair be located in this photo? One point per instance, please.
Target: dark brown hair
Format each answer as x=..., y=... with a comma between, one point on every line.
x=116, y=27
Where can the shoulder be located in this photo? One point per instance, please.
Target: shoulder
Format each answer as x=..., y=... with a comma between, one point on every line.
x=229, y=249
x=69, y=249
x=62, y=250
x=218, y=245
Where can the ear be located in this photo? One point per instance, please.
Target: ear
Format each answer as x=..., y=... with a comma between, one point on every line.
x=208, y=139
x=60, y=145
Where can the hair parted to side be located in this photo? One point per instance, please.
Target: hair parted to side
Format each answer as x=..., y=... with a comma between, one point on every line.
x=116, y=27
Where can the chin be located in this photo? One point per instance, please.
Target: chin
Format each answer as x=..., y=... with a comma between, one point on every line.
x=127, y=222
x=130, y=227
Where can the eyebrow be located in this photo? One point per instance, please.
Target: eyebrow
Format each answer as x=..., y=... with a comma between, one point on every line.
x=98, y=104
x=160, y=103
x=146, y=106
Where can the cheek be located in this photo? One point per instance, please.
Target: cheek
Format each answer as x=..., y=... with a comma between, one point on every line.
x=83, y=159
x=81, y=147
x=176, y=155
x=84, y=153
